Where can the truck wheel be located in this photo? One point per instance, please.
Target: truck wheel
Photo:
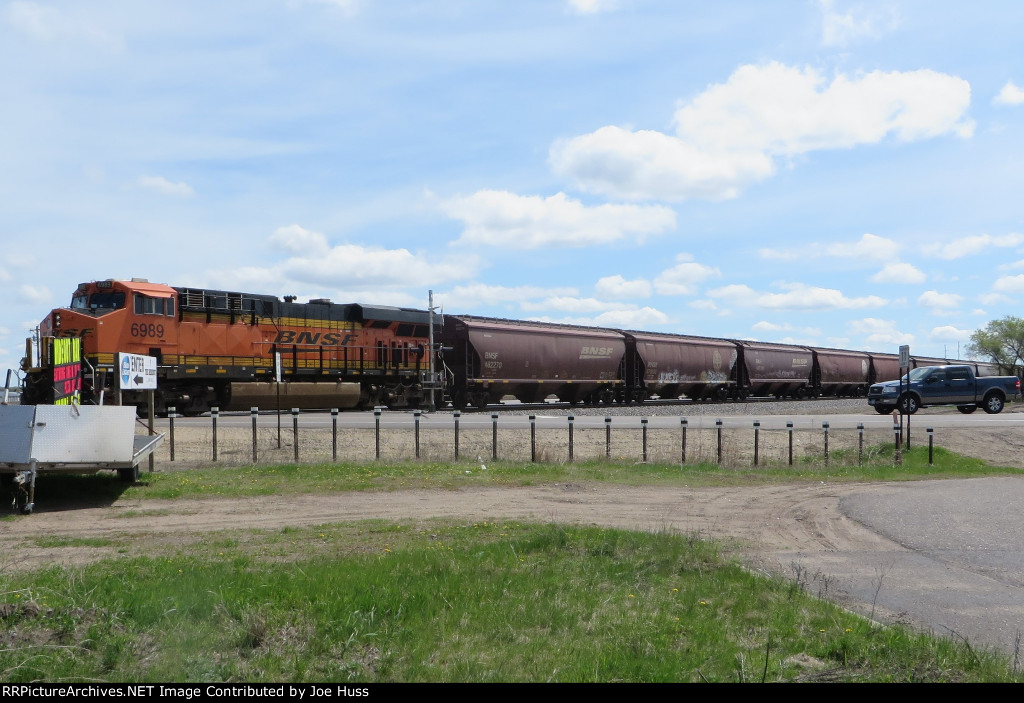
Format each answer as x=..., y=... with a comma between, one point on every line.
x=909, y=404
x=883, y=409
x=967, y=409
x=993, y=403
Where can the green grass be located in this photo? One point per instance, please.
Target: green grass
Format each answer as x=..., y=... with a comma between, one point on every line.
x=319, y=478
x=445, y=602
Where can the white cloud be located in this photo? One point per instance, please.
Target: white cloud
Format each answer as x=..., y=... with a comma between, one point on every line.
x=35, y=295
x=1008, y=284
x=798, y=296
x=728, y=136
x=649, y=165
x=618, y=287
x=948, y=333
x=637, y=318
x=899, y=273
x=684, y=278
x=1011, y=94
x=165, y=187
x=347, y=267
x=994, y=299
x=841, y=28
x=500, y=218
x=974, y=244
x=592, y=7
x=869, y=248
x=484, y=294
x=299, y=240
x=878, y=334
x=939, y=302
x=347, y=7
x=49, y=25
x=576, y=305
x=769, y=327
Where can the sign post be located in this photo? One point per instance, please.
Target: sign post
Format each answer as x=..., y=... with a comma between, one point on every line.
x=904, y=371
x=137, y=372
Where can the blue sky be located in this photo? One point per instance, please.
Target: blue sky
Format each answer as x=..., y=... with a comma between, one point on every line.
x=819, y=172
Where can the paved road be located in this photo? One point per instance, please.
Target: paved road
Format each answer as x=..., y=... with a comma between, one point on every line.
x=957, y=562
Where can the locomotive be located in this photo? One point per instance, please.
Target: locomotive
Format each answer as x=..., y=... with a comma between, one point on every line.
x=223, y=349
x=236, y=351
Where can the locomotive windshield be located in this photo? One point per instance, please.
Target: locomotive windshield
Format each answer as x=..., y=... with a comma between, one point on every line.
x=98, y=301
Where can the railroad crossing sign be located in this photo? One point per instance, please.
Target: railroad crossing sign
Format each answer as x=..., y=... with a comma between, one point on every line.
x=904, y=357
x=136, y=372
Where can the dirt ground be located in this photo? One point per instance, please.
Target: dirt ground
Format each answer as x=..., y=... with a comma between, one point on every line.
x=770, y=528
x=757, y=520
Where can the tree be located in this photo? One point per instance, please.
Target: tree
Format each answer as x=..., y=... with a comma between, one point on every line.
x=1002, y=341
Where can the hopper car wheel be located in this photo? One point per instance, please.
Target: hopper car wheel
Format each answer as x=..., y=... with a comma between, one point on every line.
x=993, y=403
x=967, y=409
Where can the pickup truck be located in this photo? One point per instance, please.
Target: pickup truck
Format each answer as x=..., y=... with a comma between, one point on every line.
x=943, y=385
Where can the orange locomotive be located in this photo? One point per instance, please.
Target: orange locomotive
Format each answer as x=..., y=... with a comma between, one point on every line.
x=220, y=349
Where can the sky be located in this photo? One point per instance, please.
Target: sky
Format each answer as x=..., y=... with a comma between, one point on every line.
x=818, y=172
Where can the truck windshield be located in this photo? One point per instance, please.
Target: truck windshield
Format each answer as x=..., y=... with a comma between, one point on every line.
x=917, y=374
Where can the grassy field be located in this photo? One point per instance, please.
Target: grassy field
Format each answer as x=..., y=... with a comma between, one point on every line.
x=447, y=601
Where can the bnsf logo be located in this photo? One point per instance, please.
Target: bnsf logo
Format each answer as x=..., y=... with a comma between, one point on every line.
x=330, y=339
x=595, y=352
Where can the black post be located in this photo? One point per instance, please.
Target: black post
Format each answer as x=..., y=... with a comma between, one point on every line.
x=457, y=414
x=860, y=444
x=254, y=412
x=757, y=432
x=718, y=424
x=931, y=457
x=571, y=420
x=533, y=438
x=494, y=436
x=170, y=418
x=607, y=438
x=416, y=429
x=897, y=457
x=682, y=423
x=334, y=434
x=824, y=426
x=214, y=412
x=789, y=426
x=295, y=433
x=643, y=424
x=376, y=432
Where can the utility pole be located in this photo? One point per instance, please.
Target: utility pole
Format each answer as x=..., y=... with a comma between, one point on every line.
x=431, y=378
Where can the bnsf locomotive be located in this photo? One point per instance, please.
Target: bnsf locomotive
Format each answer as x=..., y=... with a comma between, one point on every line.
x=217, y=348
